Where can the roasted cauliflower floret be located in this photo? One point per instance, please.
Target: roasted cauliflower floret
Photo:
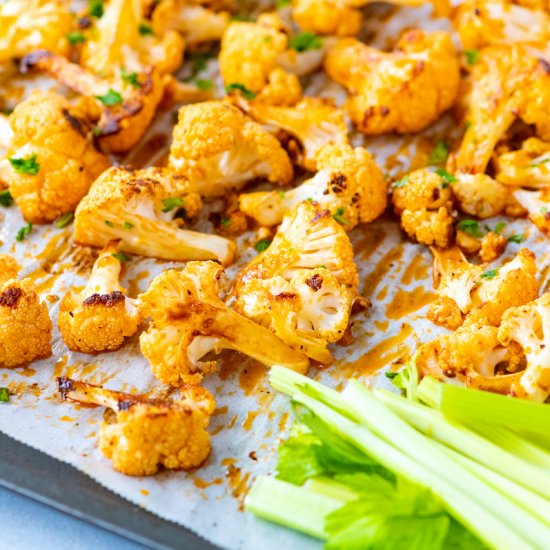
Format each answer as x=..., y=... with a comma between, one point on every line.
x=526, y=167
x=27, y=25
x=470, y=294
x=537, y=204
x=116, y=41
x=348, y=183
x=25, y=325
x=480, y=195
x=314, y=122
x=492, y=246
x=57, y=159
x=430, y=227
x=149, y=434
x=189, y=320
x=100, y=316
x=220, y=149
x=405, y=90
x=529, y=326
x=483, y=22
x=144, y=209
x=122, y=104
x=474, y=356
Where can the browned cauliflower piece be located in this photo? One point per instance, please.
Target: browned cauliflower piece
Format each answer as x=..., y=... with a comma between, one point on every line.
x=53, y=157
x=430, y=227
x=492, y=246
x=469, y=294
x=144, y=209
x=220, y=149
x=348, y=183
x=100, y=316
x=480, y=195
x=189, y=320
x=405, y=90
x=25, y=325
x=529, y=326
x=149, y=434
x=121, y=104
x=537, y=204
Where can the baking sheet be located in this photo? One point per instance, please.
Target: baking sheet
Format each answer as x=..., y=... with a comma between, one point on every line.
x=250, y=418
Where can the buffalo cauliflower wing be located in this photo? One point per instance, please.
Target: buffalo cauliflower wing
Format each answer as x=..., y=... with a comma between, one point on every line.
x=348, y=183
x=220, y=149
x=149, y=434
x=100, y=316
x=25, y=325
x=404, y=90
x=53, y=157
x=145, y=210
x=189, y=320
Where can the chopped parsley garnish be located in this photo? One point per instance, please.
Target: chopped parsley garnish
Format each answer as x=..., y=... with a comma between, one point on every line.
x=237, y=86
x=121, y=257
x=241, y=17
x=96, y=8
x=391, y=375
x=127, y=225
x=280, y=4
x=400, y=183
x=498, y=227
x=323, y=266
x=76, y=37
x=539, y=162
x=262, y=245
x=338, y=215
x=439, y=153
x=130, y=78
x=472, y=56
x=489, y=274
x=112, y=97
x=199, y=62
x=516, y=238
x=171, y=203
x=6, y=200
x=225, y=221
x=305, y=41
x=25, y=166
x=544, y=210
x=4, y=395
x=109, y=224
x=145, y=29
x=471, y=227
x=447, y=178
x=64, y=220
x=23, y=232
x=282, y=194
x=204, y=84
x=467, y=125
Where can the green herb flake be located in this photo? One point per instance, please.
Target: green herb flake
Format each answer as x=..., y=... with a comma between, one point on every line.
x=121, y=257
x=241, y=17
x=204, y=85
x=447, y=177
x=237, y=86
x=280, y=4
x=323, y=266
x=128, y=225
x=544, y=210
x=225, y=221
x=539, y=162
x=112, y=97
x=171, y=203
x=130, y=78
x=390, y=375
x=338, y=215
x=96, y=8
x=471, y=227
x=145, y=29
x=109, y=224
x=199, y=62
x=400, y=183
x=499, y=227
x=4, y=395
x=489, y=274
x=281, y=194
x=262, y=245
x=305, y=41
x=439, y=154
x=23, y=232
x=26, y=165
x=519, y=238
x=64, y=220
x=6, y=200
x=472, y=56
x=76, y=37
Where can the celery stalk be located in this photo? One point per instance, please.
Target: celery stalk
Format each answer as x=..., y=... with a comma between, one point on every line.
x=329, y=487
x=290, y=505
x=460, y=438
x=478, y=406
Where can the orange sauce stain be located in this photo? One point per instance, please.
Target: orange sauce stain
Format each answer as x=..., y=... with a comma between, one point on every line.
x=382, y=294
x=217, y=430
x=60, y=365
x=252, y=376
x=228, y=363
x=231, y=423
x=150, y=151
x=54, y=249
x=237, y=480
x=249, y=420
x=144, y=492
x=228, y=461
x=66, y=419
x=46, y=285
x=283, y=421
x=380, y=356
x=417, y=270
x=133, y=284
x=369, y=242
x=381, y=269
x=26, y=371
x=200, y=483
x=382, y=326
x=405, y=302
x=221, y=410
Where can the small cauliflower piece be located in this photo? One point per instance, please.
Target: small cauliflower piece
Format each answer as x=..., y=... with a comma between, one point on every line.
x=27, y=25
x=25, y=325
x=314, y=122
x=405, y=90
x=529, y=326
x=56, y=135
x=537, y=204
x=99, y=317
x=348, y=183
x=469, y=294
x=480, y=195
x=189, y=320
x=149, y=434
x=429, y=227
x=492, y=246
x=142, y=209
x=220, y=149
x=120, y=109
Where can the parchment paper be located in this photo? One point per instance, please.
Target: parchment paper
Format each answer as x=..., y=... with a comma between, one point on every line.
x=250, y=418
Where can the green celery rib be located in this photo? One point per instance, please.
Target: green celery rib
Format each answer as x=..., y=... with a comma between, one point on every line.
x=476, y=405
x=331, y=488
x=467, y=442
x=290, y=506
